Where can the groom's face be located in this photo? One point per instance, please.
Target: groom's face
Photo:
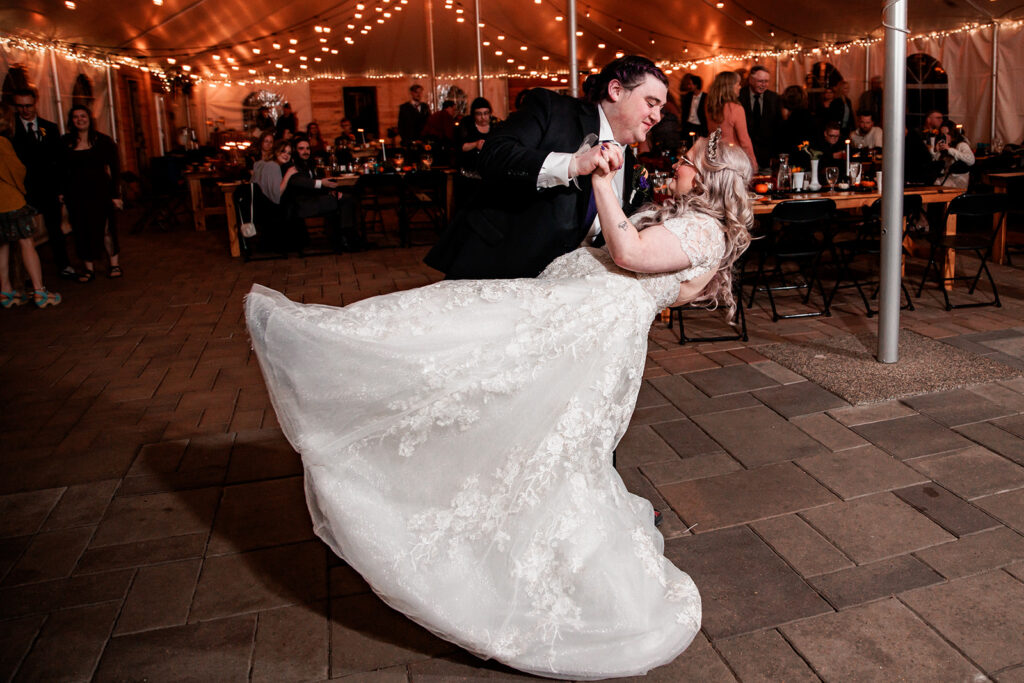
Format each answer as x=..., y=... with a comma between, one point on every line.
x=632, y=113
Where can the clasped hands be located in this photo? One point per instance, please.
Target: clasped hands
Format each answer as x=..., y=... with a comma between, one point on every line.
x=601, y=161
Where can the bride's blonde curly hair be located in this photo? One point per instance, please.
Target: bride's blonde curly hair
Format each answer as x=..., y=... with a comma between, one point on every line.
x=720, y=191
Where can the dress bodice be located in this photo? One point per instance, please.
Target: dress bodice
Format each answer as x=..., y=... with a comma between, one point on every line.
x=699, y=235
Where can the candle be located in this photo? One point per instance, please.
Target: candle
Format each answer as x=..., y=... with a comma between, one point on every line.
x=383, y=150
x=693, y=138
x=362, y=135
x=847, y=158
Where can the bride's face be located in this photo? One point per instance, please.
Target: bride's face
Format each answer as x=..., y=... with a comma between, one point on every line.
x=685, y=172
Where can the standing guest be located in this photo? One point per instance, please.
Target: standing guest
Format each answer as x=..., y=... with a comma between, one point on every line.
x=821, y=110
x=473, y=132
x=840, y=109
x=872, y=100
x=91, y=191
x=440, y=126
x=724, y=112
x=535, y=203
x=695, y=118
x=764, y=114
x=867, y=135
x=17, y=220
x=264, y=122
x=797, y=124
x=317, y=146
x=287, y=122
x=37, y=143
x=412, y=116
x=953, y=151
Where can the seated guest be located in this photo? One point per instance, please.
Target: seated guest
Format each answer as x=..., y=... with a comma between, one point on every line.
x=269, y=172
x=264, y=123
x=797, y=124
x=317, y=145
x=932, y=121
x=310, y=197
x=724, y=111
x=692, y=106
x=918, y=167
x=347, y=136
x=866, y=135
x=833, y=148
x=871, y=99
x=953, y=151
x=261, y=149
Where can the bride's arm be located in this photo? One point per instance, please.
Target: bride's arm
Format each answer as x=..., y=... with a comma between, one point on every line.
x=655, y=250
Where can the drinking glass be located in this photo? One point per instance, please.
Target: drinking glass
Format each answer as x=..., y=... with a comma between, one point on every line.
x=831, y=176
x=855, y=173
x=426, y=159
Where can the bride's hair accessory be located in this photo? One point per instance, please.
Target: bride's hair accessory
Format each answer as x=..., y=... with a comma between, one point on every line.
x=713, y=145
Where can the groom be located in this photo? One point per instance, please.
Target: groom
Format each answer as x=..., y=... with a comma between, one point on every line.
x=536, y=202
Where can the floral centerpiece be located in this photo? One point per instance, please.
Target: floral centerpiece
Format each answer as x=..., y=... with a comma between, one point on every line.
x=806, y=148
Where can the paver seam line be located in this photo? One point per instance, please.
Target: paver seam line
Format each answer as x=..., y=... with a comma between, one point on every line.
x=1000, y=567
x=721, y=657
x=792, y=645
x=795, y=570
x=932, y=482
x=816, y=531
x=933, y=629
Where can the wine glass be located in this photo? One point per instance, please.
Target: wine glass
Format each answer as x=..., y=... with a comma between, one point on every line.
x=831, y=176
x=855, y=173
x=426, y=159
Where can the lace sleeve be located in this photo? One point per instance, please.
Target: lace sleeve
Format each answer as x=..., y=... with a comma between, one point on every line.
x=701, y=239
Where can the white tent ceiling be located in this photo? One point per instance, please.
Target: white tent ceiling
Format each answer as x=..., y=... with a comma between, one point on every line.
x=204, y=34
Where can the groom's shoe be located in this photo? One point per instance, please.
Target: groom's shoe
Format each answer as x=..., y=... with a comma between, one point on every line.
x=657, y=518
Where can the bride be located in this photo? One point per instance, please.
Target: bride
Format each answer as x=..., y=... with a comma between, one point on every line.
x=457, y=439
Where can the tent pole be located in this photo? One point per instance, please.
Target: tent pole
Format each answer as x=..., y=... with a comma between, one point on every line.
x=995, y=81
x=56, y=92
x=574, y=85
x=430, y=48
x=894, y=18
x=479, y=52
x=778, y=76
x=110, y=101
x=159, y=102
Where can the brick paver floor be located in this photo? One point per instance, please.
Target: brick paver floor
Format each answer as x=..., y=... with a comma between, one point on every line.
x=153, y=526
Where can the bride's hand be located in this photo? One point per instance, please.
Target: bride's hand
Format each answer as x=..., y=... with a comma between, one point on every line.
x=609, y=162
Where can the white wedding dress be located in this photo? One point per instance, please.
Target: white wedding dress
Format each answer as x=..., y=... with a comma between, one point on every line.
x=457, y=443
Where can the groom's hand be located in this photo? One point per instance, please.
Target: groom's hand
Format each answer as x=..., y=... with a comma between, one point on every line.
x=586, y=162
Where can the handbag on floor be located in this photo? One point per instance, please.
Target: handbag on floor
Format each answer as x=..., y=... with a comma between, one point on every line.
x=248, y=229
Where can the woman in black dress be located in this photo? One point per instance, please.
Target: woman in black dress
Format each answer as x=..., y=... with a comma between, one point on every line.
x=473, y=130
x=91, y=191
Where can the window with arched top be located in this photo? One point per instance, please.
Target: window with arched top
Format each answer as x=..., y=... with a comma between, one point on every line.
x=261, y=104
x=927, y=88
x=821, y=77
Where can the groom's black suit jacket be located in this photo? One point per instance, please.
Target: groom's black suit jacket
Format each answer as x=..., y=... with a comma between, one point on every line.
x=510, y=229
x=40, y=153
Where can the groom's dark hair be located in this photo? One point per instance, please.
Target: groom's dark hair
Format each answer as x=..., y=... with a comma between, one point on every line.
x=630, y=70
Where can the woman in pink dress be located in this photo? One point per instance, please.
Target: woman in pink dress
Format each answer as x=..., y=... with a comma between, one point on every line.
x=724, y=111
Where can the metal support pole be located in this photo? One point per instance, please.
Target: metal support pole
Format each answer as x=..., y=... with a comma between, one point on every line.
x=110, y=101
x=778, y=75
x=56, y=92
x=894, y=18
x=159, y=102
x=995, y=82
x=867, y=67
x=430, y=48
x=574, y=79
x=479, y=52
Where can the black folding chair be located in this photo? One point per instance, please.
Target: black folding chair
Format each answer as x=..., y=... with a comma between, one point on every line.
x=164, y=195
x=978, y=219
x=799, y=234
x=740, y=326
x=423, y=204
x=251, y=205
x=866, y=240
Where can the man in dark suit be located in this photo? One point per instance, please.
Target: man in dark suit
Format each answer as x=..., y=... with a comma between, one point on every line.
x=412, y=116
x=764, y=115
x=695, y=118
x=306, y=196
x=37, y=144
x=535, y=202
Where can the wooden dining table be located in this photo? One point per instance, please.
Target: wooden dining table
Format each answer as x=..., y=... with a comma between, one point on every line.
x=852, y=200
x=1001, y=183
x=346, y=180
